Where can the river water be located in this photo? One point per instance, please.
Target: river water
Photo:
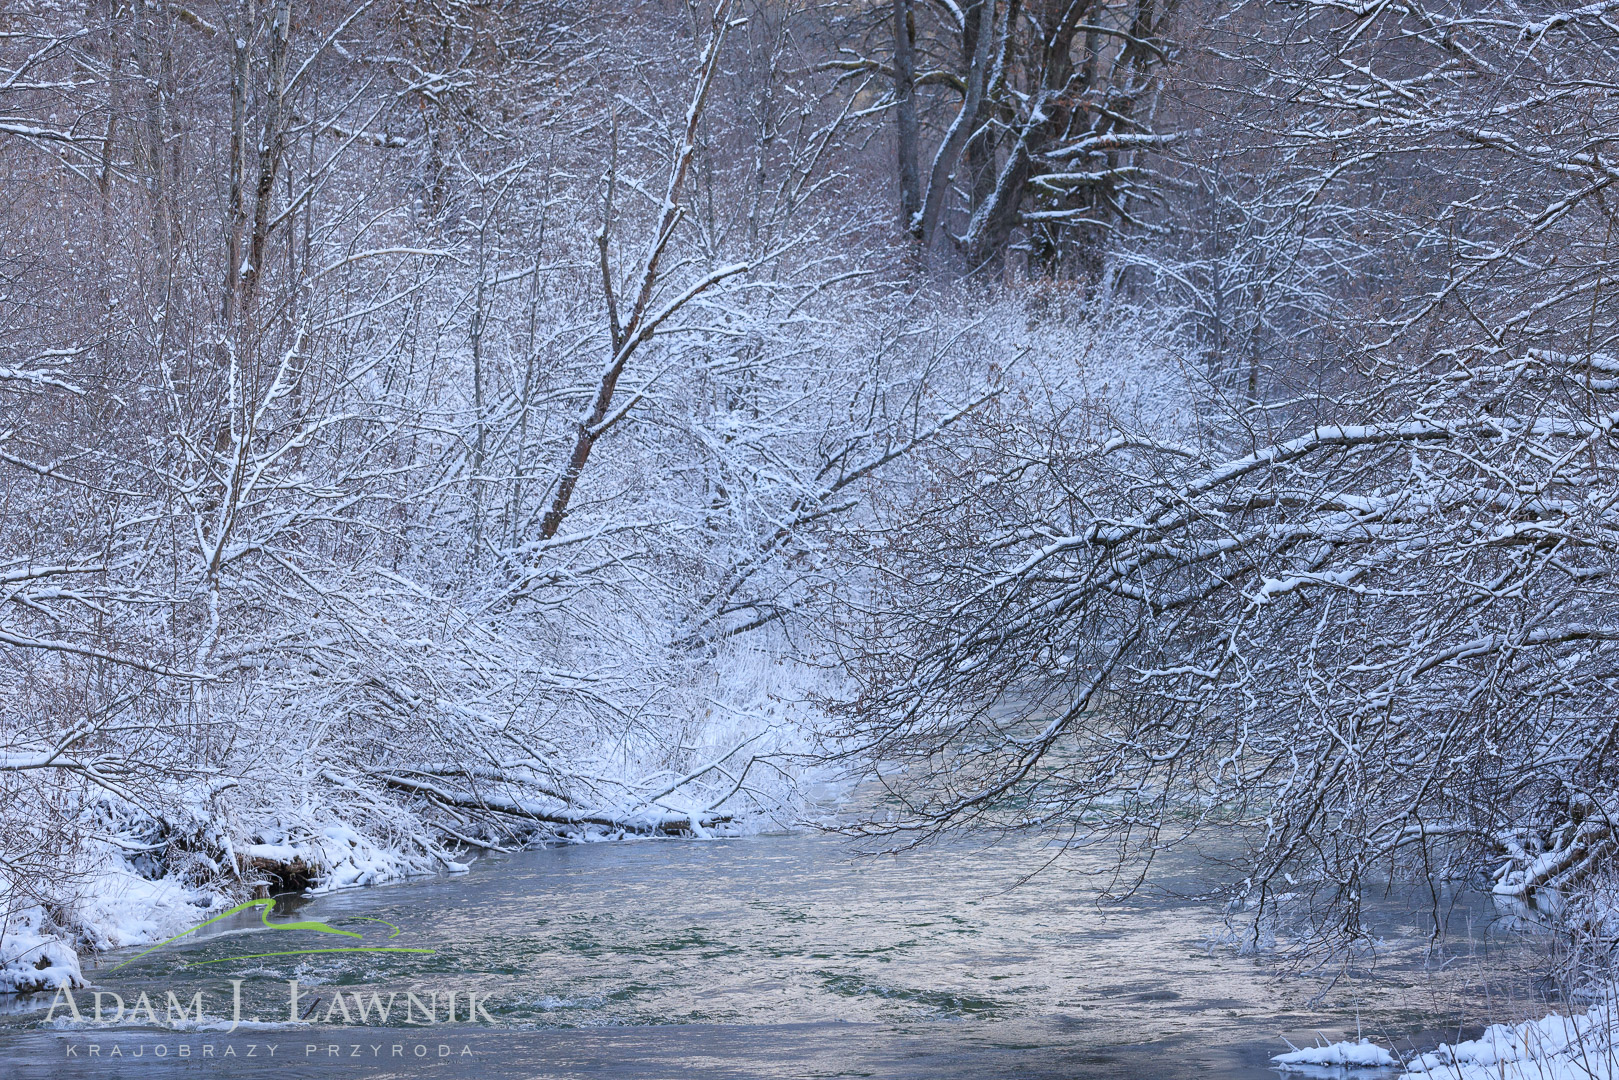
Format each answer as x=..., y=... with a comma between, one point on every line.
x=764, y=957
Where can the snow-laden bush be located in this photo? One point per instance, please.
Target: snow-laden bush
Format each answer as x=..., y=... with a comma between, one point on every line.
x=32, y=958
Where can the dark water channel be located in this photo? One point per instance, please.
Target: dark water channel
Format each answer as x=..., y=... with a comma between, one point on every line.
x=774, y=956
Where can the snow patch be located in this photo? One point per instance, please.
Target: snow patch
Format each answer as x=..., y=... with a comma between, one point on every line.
x=33, y=960
x=336, y=856
x=1584, y=1046
x=118, y=907
x=1360, y=1054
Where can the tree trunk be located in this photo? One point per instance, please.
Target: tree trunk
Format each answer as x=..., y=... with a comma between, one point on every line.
x=910, y=179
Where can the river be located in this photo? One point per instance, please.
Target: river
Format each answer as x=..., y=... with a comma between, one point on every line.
x=763, y=957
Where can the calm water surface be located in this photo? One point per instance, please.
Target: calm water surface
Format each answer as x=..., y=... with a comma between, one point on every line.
x=774, y=956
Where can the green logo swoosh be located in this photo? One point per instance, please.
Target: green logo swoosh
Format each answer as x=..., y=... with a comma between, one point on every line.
x=264, y=907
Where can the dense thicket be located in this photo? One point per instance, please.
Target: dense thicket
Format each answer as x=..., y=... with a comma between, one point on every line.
x=1362, y=607
x=407, y=411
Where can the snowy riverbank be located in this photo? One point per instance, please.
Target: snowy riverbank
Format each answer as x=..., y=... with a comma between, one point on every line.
x=128, y=888
x=125, y=872
x=121, y=896
x=1579, y=1046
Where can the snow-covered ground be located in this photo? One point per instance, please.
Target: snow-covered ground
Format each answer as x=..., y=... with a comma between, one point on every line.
x=33, y=959
x=1582, y=1046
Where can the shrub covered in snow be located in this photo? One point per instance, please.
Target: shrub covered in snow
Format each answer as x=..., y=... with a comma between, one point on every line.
x=33, y=958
